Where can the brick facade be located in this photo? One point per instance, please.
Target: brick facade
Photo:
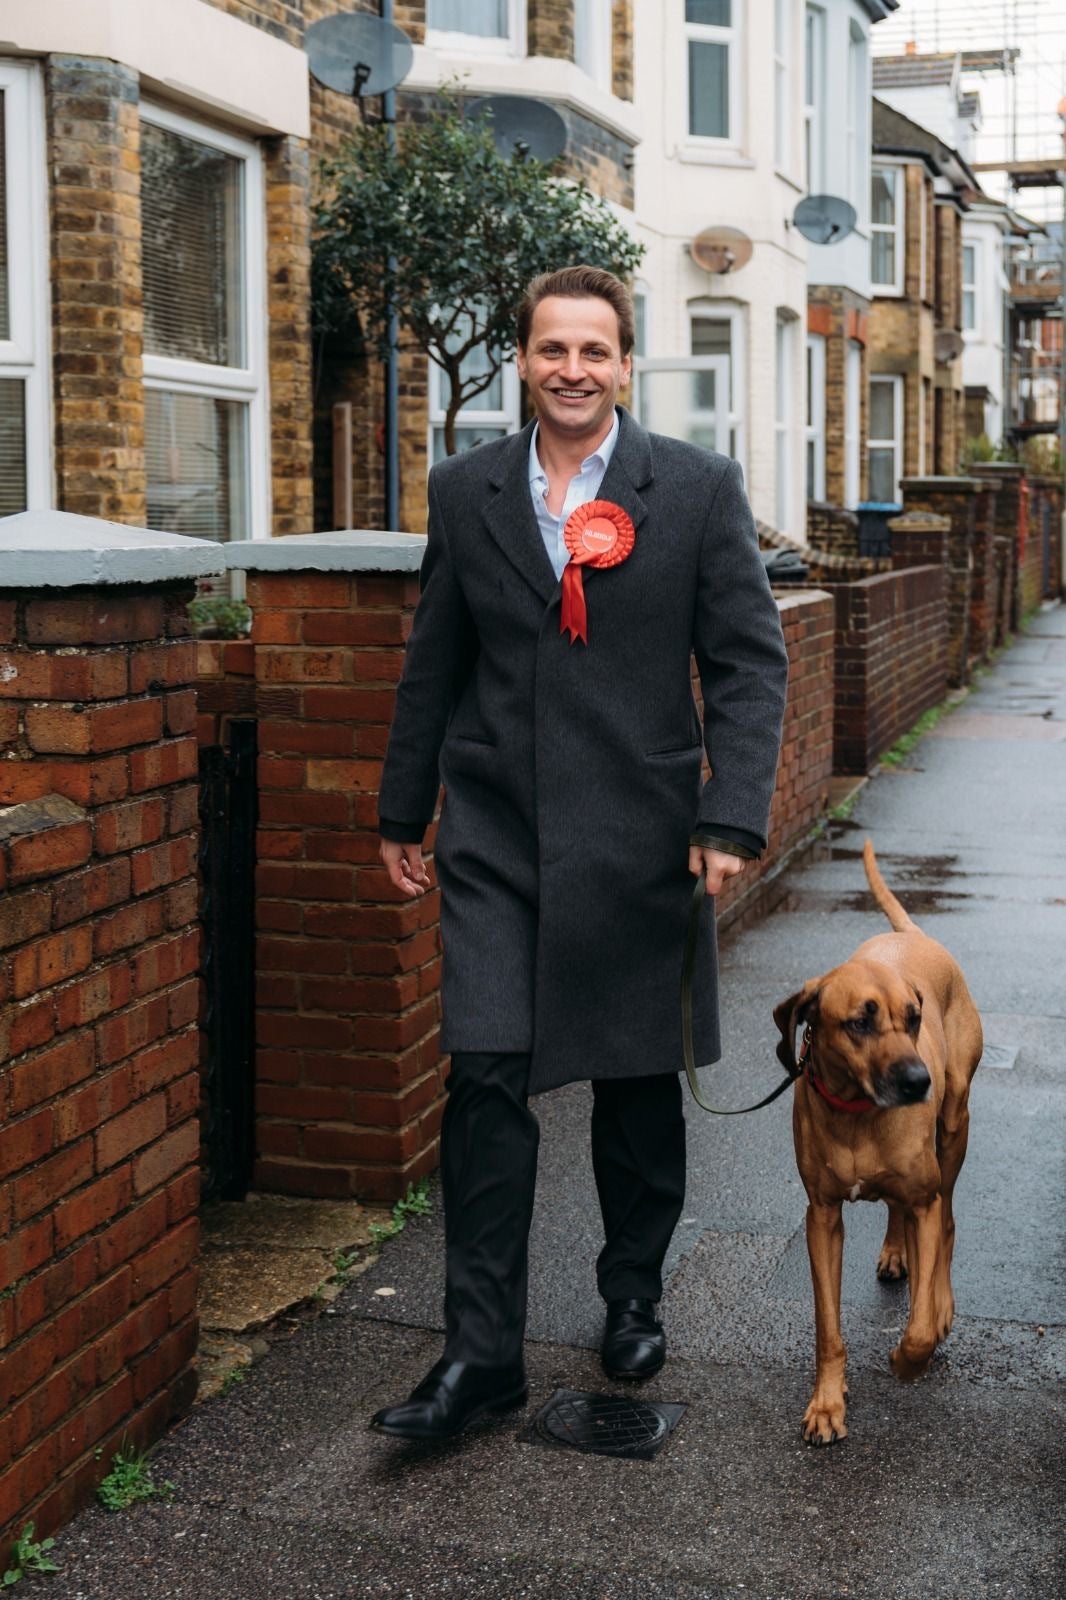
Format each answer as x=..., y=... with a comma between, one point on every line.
x=841, y=317
x=99, y=1040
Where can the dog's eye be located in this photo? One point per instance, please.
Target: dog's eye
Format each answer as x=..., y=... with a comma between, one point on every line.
x=914, y=1019
x=863, y=1024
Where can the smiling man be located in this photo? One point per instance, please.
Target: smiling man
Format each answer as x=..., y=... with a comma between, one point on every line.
x=571, y=571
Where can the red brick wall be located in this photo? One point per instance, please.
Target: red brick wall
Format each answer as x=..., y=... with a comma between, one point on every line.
x=1008, y=479
x=955, y=499
x=99, y=948
x=891, y=661
x=349, y=1077
x=225, y=686
x=806, y=764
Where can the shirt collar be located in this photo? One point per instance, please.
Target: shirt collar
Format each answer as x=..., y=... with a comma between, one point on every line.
x=602, y=454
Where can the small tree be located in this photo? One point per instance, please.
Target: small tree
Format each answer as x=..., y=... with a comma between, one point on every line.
x=465, y=228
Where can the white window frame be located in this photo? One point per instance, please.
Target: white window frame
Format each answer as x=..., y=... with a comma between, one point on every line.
x=814, y=99
x=969, y=286
x=26, y=354
x=898, y=228
x=593, y=32
x=508, y=417
x=784, y=372
x=857, y=111
x=703, y=33
x=784, y=155
x=814, y=430
x=852, y=424
x=896, y=444
x=246, y=384
x=736, y=405
x=455, y=42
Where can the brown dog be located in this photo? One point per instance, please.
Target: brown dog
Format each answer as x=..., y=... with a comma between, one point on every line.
x=891, y=1042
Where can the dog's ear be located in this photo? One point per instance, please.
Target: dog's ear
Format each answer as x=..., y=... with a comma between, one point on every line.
x=914, y=1023
x=789, y=1015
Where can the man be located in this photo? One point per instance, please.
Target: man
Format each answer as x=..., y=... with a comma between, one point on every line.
x=573, y=817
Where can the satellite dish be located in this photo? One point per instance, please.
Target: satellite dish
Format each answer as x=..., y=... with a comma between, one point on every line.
x=947, y=346
x=721, y=250
x=521, y=126
x=358, y=55
x=824, y=218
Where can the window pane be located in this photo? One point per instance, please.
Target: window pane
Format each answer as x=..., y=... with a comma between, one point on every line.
x=682, y=405
x=882, y=475
x=708, y=89
x=197, y=457
x=5, y=321
x=883, y=258
x=705, y=390
x=710, y=13
x=809, y=59
x=486, y=18
x=12, y=446
x=883, y=196
x=710, y=337
x=640, y=325
x=969, y=309
x=193, y=268
x=465, y=439
x=882, y=411
x=968, y=263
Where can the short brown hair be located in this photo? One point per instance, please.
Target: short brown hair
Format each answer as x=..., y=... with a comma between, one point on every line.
x=579, y=283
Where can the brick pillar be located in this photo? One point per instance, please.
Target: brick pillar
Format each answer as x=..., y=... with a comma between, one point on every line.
x=956, y=499
x=1008, y=477
x=919, y=539
x=99, y=1039
x=288, y=222
x=984, y=581
x=97, y=317
x=550, y=28
x=831, y=530
x=349, y=1075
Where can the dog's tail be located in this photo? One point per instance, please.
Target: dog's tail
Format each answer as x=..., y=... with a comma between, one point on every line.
x=883, y=894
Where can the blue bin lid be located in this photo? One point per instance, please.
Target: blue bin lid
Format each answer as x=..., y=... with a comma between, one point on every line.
x=878, y=505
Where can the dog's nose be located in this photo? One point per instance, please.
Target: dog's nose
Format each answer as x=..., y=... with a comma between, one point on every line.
x=912, y=1078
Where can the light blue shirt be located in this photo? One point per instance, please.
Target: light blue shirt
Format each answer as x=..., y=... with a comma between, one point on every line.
x=584, y=485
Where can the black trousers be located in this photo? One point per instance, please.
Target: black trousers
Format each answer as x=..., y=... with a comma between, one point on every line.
x=489, y=1142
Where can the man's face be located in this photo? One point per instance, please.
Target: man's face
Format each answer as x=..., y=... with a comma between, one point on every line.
x=574, y=365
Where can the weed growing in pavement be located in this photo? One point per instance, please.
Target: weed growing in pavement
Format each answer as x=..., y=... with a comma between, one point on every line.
x=232, y=1378
x=28, y=1555
x=415, y=1203
x=130, y=1480
x=903, y=747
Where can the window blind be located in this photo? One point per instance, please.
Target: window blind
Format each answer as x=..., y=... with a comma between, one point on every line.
x=191, y=204
x=486, y=18
x=12, y=446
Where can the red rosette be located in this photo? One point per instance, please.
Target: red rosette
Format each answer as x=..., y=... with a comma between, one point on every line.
x=597, y=534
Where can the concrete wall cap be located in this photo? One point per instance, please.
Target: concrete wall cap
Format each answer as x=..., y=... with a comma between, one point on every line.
x=58, y=550
x=345, y=550
x=912, y=520
x=802, y=597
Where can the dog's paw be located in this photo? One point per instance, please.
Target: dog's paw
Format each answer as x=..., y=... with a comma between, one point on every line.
x=823, y=1421
x=891, y=1265
x=910, y=1361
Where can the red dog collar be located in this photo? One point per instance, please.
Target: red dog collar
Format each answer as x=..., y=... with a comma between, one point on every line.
x=853, y=1107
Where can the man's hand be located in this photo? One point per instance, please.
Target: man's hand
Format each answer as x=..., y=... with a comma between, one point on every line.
x=719, y=866
x=405, y=867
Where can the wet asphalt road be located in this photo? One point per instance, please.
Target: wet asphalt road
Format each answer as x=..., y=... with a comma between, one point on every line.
x=951, y=1487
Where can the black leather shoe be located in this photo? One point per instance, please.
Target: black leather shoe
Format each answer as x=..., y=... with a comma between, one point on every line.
x=634, y=1344
x=451, y=1395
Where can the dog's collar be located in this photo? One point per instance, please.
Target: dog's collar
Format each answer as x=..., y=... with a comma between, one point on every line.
x=853, y=1107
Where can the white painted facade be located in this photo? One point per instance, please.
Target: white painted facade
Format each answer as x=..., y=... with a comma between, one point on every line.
x=839, y=138
x=985, y=233
x=746, y=174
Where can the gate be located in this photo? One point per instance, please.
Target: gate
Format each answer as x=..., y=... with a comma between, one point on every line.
x=227, y=867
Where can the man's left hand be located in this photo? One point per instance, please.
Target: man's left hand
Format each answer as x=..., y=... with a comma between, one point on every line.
x=717, y=864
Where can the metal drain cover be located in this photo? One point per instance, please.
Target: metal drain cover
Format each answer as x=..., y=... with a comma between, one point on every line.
x=604, y=1424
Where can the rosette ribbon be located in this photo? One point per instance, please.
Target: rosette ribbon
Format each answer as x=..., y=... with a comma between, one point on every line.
x=597, y=534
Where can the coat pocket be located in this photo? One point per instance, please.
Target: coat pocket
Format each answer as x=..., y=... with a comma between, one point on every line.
x=674, y=752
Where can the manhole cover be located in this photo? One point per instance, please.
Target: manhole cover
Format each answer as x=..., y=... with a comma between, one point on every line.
x=1000, y=1056
x=604, y=1424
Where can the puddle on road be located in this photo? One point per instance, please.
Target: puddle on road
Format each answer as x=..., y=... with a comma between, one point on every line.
x=919, y=881
x=916, y=902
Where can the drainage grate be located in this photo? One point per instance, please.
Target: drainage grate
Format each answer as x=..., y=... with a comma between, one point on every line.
x=604, y=1424
x=1001, y=1057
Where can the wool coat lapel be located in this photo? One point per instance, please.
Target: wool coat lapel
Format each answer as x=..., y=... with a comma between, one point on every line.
x=511, y=519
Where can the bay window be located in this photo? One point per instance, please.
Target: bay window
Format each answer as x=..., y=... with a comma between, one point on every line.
x=480, y=25
x=885, y=444
x=713, y=69
x=886, y=229
x=206, y=445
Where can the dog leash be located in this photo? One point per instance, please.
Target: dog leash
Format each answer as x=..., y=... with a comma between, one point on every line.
x=688, y=967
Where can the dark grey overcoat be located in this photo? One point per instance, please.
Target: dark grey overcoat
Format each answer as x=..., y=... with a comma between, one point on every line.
x=572, y=772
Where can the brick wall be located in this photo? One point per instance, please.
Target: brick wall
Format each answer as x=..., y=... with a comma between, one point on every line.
x=622, y=49
x=955, y=499
x=984, y=579
x=99, y=948
x=550, y=28
x=891, y=661
x=1008, y=478
x=806, y=764
x=225, y=686
x=349, y=1077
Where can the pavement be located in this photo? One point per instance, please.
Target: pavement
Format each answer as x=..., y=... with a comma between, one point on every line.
x=949, y=1487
